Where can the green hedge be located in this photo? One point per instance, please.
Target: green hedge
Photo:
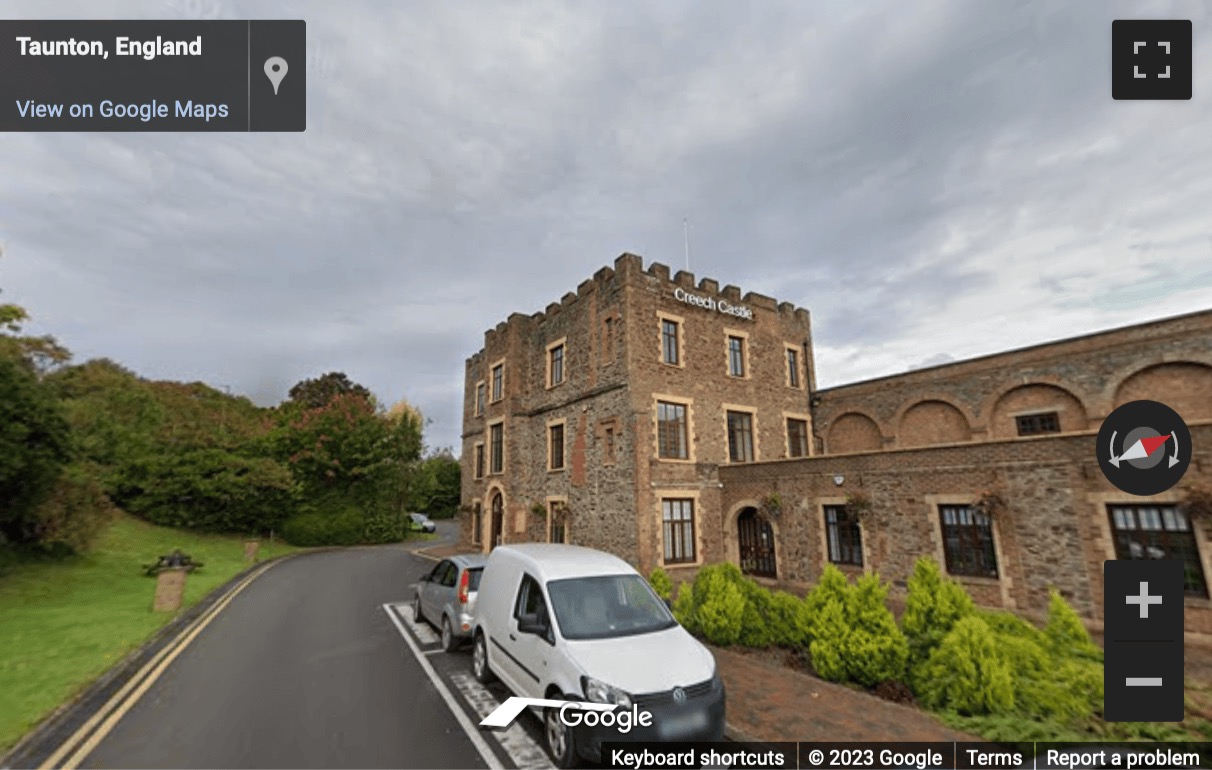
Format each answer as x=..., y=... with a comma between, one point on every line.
x=344, y=527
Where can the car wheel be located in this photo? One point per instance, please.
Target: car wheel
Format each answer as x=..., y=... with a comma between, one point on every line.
x=479, y=661
x=417, y=617
x=561, y=743
x=449, y=641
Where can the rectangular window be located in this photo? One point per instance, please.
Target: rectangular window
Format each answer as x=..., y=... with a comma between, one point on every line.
x=678, y=525
x=671, y=430
x=497, y=449
x=1034, y=424
x=555, y=444
x=793, y=368
x=477, y=516
x=609, y=441
x=797, y=437
x=736, y=356
x=479, y=461
x=556, y=365
x=559, y=527
x=1159, y=532
x=844, y=536
x=498, y=382
x=479, y=399
x=669, y=341
x=740, y=437
x=968, y=541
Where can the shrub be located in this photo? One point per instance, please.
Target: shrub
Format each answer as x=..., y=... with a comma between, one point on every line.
x=789, y=620
x=384, y=527
x=934, y=604
x=876, y=650
x=661, y=583
x=344, y=527
x=828, y=640
x=758, y=624
x=832, y=586
x=683, y=608
x=1066, y=634
x=719, y=618
x=74, y=514
x=967, y=673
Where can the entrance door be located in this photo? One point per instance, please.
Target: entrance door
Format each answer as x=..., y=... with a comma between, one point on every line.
x=756, y=538
x=498, y=516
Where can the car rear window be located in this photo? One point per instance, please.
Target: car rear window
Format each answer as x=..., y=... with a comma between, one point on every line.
x=473, y=578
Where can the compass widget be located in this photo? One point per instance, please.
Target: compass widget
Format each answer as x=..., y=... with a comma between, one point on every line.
x=1144, y=448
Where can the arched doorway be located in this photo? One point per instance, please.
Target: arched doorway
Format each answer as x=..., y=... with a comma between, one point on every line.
x=498, y=517
x=756, y=539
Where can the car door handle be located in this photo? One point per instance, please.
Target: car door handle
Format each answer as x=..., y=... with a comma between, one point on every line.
x=512, y=638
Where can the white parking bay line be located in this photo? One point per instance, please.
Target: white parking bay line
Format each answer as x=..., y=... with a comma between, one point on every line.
x=520, y=747
x=422, y=631
x=472, y=731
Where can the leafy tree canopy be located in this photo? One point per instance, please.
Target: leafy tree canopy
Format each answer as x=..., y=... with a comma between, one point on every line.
x=318, y=392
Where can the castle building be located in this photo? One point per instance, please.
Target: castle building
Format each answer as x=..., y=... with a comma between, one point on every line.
x=677, y=424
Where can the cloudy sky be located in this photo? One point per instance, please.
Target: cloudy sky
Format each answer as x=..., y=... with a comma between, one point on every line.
x=934, y=180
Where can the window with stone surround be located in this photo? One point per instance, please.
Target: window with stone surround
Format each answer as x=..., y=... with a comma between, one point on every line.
x=670, y=331
x=496, y=440
x=479, y=460
x=555, y=364
x=498, y=382
x=1035, y=424
x=557, y=516
x=479, y=398
x=736, y=356
x=477, y=516
x=677, y=518
x=968, y=541
x=1159, y=532
x=608, y=341
x=608, y=440
x=843, y=535
x=740, y=437
x=671, y=431
x=797, y=437
x=555, y=446
x=793, y=367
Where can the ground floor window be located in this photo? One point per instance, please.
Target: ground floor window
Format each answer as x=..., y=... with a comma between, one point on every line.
x=678, y=520
x=1159, y=532
x=968, y=541
x=557, y=513
x=843, y=535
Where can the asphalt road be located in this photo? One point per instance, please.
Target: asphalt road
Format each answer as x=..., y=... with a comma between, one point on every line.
x=315, y=665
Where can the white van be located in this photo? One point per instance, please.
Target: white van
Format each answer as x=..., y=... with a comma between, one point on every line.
x=563, y=622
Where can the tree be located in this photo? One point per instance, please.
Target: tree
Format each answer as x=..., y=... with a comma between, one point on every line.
x=40, y=354
x=35, y=445
x=318, y=392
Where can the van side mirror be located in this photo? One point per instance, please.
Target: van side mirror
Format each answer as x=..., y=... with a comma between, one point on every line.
x=668, y=603
x=425, y=577
x=532, y=624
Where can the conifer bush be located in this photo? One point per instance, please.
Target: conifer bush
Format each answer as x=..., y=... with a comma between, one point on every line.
x=935, y=603
x=721, y=615
x=967, y=672
x=661, y=583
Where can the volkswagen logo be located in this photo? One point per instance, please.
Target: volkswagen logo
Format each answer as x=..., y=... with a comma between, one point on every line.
x=679, y=695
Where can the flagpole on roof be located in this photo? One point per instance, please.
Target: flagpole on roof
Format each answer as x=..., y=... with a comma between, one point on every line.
x=686, y=234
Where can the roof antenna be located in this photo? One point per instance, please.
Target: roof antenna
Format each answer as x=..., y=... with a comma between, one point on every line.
x=686, y=234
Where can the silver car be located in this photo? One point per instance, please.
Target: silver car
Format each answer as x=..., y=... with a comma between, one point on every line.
x=446, y=597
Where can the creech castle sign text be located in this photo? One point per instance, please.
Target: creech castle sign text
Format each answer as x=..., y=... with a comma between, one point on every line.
x=707, y=303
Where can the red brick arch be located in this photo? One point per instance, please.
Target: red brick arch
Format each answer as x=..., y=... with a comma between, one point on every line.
x=932, y=419
x=853, y=431
x=1038, y=396
x=1184, y=386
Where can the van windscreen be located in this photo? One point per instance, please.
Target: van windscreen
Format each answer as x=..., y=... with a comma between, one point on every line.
x=606, y=606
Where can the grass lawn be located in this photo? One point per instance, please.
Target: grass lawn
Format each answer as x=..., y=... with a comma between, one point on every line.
x=66, y=622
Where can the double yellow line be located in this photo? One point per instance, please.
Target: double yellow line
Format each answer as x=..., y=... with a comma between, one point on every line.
x=91, y=733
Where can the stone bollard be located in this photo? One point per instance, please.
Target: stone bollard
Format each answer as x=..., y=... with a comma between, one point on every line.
x=170, y=589
x=250, y=550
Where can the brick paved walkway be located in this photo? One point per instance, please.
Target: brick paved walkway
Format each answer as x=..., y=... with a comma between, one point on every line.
x=770, y=702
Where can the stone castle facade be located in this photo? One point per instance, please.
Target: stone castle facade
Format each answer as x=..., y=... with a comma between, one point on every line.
x=677, y=424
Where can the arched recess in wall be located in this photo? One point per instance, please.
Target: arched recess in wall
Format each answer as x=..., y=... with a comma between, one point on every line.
x=1034, y=398
x=852, y=432
x=932, y=422
x=1184, y=386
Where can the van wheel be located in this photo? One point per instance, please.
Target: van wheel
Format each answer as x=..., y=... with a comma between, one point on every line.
x=449, y=641
x=479, y=661
x=416, y=609
x=561, y=743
